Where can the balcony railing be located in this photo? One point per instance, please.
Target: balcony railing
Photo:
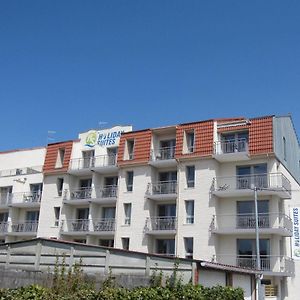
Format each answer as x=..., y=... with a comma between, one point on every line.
x=28, y=197
x=3, y=227
x=162, y=187
x=109, y=191
x=247, y=221
x=27, y=226
x=231, y=146
x=104, y=224
x=93, y=162
x=163, y=153
x=268, y=263
x=270, y=181
x=88, y=225
x=21, y=171
x=78, y=194
x=161, y=223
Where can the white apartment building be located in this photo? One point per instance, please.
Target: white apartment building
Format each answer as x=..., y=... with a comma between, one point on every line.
x=183, y=190
x=21, y=185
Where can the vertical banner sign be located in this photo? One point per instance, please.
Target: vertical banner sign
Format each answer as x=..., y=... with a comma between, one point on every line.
x=295, y=238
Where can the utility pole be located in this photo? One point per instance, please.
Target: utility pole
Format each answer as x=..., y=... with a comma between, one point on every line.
x=258, y=266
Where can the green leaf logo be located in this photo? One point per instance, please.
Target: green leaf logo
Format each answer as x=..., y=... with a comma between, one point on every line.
x=91, y=139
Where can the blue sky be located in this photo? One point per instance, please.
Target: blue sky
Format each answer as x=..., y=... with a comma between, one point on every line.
x=68, y=65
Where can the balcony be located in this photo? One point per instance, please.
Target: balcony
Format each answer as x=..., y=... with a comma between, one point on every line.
x=105, y=195
x=242, y=185
x=268, y=223
x=21, y=171
x=82, y=227
x=163, y=190
x=232, y=150
x=161, y=225
x=270, y=265
x=163, y=157
x=77, y=196
x=101, y=164
x=3, y=228
x=26, y=228
x=28, y=199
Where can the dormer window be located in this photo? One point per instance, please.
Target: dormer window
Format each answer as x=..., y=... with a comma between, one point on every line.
x=234, y=142
x=189, y=142
x=60, y=158
x=129, y=150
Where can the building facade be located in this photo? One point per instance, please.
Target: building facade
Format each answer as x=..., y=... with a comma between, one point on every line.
x=184, y=190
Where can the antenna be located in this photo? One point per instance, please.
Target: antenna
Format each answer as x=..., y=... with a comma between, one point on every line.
x=101, y=123
x=50, y=136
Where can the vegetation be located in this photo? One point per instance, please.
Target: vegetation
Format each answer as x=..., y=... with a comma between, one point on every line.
x=70, y=284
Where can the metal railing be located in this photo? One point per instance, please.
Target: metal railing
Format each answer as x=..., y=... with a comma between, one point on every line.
x=88, y=225
x=28, y=197
x=21, y=171
x=3, y=227
x=163, y=153
x=78, y=194
x=161, y=223
x=104, y=224
x=271, y=263
x=108, y=191
x=27, y=226
x=261, y=181
x=93, y=162
x=231, y=146
x=247, y=221
x=162, y=187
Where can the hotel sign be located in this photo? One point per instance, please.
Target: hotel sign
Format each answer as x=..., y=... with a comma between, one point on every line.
x=295, y=238
x=104, y=138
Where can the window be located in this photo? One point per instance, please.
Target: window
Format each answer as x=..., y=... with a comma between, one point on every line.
x=56, y=216
x=108, y=212
x=166, y=150
x=284, y=148
x=32, y=216
x=189, y=209
x=189, y=245
x=59, y=186
x=88, y=158
x=250, y=176
x=129, y=150
x=234, y=142
x=60, y=158
x=190, y=176
x=190, y=141
x=111, y=156
x=127, y=211
x=129, y=181
x=106, y=243
x=125, y=243
x=165, y=246
x=246, y=214
x=5, y=194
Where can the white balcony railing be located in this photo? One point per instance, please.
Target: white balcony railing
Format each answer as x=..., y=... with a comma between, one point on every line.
x=26, y=226
x=93, y=162
x=109, y=191
x=161, y=223
x=231, y=146
x=88, y=225
x=162, y=187
x=163, y=153
x=21, y=171
x=247, y=221
x=28, y=197
x=270, y=181
x=269, y=263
